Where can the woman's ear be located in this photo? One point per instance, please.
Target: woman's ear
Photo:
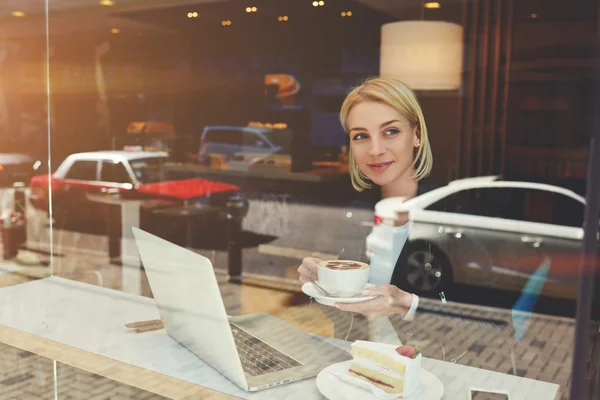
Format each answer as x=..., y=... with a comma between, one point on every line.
x=417, y=141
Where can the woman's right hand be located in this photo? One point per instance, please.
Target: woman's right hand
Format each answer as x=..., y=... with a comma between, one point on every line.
x=308, y=269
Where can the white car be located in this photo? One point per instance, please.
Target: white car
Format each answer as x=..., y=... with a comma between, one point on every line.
x=485, y=231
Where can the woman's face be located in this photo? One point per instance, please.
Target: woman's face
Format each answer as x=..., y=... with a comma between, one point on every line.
x=382, y=141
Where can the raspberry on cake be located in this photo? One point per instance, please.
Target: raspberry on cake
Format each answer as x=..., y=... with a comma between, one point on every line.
x=391, y=368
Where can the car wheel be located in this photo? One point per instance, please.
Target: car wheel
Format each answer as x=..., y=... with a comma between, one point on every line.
x=427, y=270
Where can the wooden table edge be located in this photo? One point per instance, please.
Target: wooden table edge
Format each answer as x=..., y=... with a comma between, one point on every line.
x=118, y=371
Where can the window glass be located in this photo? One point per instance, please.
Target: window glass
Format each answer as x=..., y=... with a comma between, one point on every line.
x=82, y=171
x=114, y=172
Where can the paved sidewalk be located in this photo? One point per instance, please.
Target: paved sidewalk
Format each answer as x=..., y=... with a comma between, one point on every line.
x=27, y=376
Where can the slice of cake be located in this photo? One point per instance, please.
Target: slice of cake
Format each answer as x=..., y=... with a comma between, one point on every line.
x=391, y=368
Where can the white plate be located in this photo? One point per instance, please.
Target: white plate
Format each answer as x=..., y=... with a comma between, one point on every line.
x=334, y=388
x=310, y=290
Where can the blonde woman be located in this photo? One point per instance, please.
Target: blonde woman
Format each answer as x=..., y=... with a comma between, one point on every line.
x=389, y=154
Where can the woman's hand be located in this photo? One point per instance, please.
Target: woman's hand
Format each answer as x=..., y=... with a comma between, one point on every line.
x=308, y=269
x=390, y=301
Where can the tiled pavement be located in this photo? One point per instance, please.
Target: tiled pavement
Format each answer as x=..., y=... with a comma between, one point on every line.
x=26, y=376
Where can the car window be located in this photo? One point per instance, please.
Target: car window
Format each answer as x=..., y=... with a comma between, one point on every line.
x=148, y=170
x=82, y=171
x=252, y=139
x=281, y=138
x=529, y=205
x=224, y=137
x=114, y=172
x=553, y=208
x=486, y=202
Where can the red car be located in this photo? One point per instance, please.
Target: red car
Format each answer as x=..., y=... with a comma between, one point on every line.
x=83, y=180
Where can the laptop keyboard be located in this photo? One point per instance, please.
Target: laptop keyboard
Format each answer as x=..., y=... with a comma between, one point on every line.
x=257, y=357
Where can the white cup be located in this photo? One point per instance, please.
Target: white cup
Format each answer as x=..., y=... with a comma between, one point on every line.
x=341, y=281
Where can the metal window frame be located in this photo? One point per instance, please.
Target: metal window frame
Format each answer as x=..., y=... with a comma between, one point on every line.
x=584, y=351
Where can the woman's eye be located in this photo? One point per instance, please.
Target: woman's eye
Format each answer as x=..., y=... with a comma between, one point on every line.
x=392, y=131
x=359, y=136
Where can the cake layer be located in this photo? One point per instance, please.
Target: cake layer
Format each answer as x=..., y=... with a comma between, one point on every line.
x=386, y=360
x=388, y=349
x=382, y=381
x=380, y=364
x=375, y=366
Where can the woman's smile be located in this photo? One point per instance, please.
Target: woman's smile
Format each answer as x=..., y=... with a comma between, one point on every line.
x=379, y=167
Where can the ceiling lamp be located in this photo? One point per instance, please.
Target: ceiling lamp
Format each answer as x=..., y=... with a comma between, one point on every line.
x=426, y=55
x=106, y=2
x=18, y=14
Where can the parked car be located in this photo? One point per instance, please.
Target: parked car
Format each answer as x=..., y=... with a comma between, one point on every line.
x=485, y=231
x=253, y=142
x=85, y=178
x=15, y=167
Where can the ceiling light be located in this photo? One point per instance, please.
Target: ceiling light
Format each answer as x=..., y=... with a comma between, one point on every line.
x=321, y=3
x=18, y=14
x=115, y=30
x=195, y=14
x=533, y=15
x=254, y=9
x=432, y=4
x=349, y=14
x=190, y=15
x=285, y=18
x=226, y=23
x=106, y=2
x=248, y=9
x=343, y=13
x=315, y=4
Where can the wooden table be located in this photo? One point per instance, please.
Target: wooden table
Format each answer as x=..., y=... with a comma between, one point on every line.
x=83, y=326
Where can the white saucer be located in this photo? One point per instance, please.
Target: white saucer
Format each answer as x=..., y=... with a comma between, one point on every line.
x=334, y=388
x=310, y=290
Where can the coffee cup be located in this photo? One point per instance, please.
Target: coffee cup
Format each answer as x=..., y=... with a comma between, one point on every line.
x=343, y=278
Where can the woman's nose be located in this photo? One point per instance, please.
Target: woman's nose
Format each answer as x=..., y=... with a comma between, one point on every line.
x=377, y=148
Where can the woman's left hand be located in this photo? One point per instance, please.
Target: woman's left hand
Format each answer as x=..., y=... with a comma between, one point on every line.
x=389, y=301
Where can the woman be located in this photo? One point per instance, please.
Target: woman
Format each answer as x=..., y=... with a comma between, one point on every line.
x=389, y=154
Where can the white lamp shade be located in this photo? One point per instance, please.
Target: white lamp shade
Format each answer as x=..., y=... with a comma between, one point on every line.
x=426, y=55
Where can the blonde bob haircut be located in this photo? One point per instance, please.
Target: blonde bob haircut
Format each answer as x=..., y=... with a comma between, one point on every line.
x=395, y=94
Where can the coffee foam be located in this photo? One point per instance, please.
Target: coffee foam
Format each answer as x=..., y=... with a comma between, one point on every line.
x=343, y=265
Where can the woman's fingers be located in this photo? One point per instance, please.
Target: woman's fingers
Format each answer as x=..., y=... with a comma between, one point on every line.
x=306, y=274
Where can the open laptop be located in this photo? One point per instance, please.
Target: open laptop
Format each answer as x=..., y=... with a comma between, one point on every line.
x=254, y=351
